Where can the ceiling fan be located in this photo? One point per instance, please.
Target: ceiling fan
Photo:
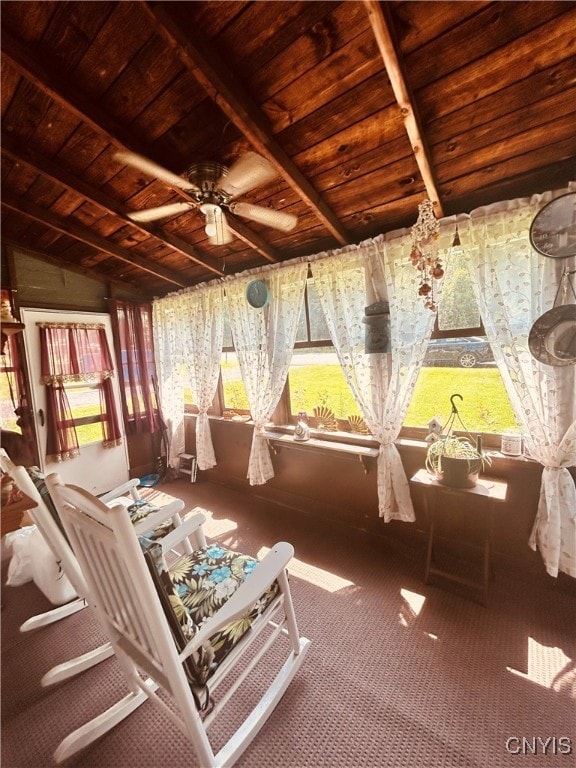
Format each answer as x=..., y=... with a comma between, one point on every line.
x=214, y=187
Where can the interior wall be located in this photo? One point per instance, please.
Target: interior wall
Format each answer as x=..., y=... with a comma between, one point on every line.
x=334, y=487
x=38, y=284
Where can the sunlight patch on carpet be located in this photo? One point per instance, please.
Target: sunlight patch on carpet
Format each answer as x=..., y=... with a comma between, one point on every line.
x=310, y=573
x=545, y=665
x=214, y=527
x=411, y=605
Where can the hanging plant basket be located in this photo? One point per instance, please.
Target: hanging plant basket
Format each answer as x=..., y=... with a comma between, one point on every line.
x=455, y=460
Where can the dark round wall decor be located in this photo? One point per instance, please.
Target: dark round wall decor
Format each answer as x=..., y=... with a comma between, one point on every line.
x=553, y=229
x=552, y=338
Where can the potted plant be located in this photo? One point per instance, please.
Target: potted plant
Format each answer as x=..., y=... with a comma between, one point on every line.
x=455, y=460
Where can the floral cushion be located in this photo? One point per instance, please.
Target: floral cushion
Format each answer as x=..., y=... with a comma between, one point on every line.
x=138, y=511
x=193, y=590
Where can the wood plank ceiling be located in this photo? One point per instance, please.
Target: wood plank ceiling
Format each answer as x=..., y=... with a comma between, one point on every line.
x=363, y=108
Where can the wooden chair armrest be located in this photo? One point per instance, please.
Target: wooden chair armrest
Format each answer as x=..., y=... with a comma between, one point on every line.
x=256, y=584
x=188, y=527
x=129, y=485
x=162, y=515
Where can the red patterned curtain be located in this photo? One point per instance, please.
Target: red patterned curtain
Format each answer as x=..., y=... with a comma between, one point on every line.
x=75, y=352
x=132, y=326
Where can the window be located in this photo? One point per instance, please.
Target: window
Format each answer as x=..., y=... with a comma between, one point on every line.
x=234, y=397
x=459, y=359
x=316, y=383
x=10, y=385
x=85, y=407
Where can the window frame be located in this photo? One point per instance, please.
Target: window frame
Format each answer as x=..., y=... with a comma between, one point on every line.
x=284, y=420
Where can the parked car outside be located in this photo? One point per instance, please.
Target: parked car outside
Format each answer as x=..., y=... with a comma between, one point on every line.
x=466, y=352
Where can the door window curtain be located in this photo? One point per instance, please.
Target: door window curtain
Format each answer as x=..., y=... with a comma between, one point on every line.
x=188, y=332
x=515, y=285
x=264, y=340
x=132, y=329
x=69, y=353
x=382, y=384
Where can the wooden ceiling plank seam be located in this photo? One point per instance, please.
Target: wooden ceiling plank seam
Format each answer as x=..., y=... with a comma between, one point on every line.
x=508, y=132
x=383, y=33
x=76, y=185
x=495, y=26
x=536, y=94
x=270, y=41
x=232, y=100
x=534, y=51
x=322, y=45
x=79, y=232
x=538, y=139
x=337, y=76
x=73, y=99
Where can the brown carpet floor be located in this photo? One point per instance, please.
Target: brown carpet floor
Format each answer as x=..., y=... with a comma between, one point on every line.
x=399, y=673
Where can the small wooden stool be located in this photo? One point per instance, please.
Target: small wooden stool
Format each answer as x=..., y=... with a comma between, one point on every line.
x=187, y=465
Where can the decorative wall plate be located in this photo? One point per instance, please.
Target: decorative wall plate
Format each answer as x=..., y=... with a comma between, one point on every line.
x=257, y=294
x=553, y=229
x=552, y=338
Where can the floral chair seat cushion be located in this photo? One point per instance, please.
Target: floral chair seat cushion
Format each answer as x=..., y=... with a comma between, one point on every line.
x=140, y=510
x=194, y=589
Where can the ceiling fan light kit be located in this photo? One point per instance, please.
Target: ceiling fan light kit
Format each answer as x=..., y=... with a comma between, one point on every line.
x=212, y=186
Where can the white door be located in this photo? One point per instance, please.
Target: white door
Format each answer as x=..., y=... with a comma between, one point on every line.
x=97, y=469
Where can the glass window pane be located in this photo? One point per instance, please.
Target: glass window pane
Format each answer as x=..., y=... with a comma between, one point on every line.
x=302, y=331
x=464, y=366
x=318, y=327
x=234, y=392
x=457, y=307
x=227, y=331
x=317, y=381
x=85, y=403
x=9, y=394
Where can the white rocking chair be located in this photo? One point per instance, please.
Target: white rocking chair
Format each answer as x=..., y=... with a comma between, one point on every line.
x=183, y=629
x=56, y=541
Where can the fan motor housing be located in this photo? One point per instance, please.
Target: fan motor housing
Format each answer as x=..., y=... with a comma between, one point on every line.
x=204, y=179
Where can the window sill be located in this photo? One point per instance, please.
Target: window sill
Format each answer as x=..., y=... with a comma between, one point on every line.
x=314, y=444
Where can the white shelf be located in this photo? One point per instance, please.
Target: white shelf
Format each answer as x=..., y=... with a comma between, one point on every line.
x=361, y=451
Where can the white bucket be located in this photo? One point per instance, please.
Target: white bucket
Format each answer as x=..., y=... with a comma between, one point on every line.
x=511, y=445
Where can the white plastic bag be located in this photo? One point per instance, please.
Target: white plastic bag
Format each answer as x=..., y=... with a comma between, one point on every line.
x=47, y=572
x=20, y=565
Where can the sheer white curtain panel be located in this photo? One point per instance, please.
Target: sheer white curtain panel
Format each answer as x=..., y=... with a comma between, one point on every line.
x=264, y=340
x=188, y=330
x=515, y=285
x=203, y=320
x=169, y=353
x=382, y=383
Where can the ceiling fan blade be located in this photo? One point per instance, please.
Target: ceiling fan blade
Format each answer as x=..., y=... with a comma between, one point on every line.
x=151, y=214
x=268, y=216
x=152, y=169
x=250, y=171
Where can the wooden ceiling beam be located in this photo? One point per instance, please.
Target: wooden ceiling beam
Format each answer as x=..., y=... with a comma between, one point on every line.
x=231, y=97
x=73, y=100
x=86, y=236
x=54, y=171
x=382, y=30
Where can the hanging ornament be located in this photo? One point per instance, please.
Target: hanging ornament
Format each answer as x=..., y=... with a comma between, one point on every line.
x=424, y=255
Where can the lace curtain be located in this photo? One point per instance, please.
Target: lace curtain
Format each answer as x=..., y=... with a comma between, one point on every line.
x=263, y=340
x=382, y=384
x=188, y=330
x=514, y=286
